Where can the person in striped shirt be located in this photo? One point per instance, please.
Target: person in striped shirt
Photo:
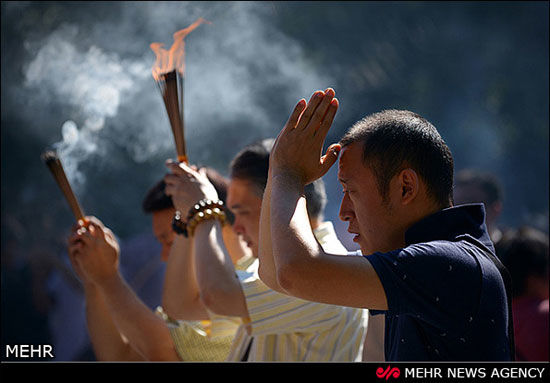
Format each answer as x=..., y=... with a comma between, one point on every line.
x=275, y=326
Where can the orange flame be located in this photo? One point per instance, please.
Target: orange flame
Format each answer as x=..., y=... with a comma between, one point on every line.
x=168, y=60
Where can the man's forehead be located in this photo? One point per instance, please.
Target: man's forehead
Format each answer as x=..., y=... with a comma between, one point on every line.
x=232, y=191
x=164, y=215
x=348, y=158
x=341, y=169
x=239, y=193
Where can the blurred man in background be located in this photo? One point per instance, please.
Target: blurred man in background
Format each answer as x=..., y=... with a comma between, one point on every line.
x=476, y=186
x=524, y=252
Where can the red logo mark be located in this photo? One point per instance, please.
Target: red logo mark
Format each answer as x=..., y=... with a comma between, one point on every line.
x=389, y=372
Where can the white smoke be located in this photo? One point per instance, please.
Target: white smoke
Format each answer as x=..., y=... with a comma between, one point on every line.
x=92, y=81
x=239, y=68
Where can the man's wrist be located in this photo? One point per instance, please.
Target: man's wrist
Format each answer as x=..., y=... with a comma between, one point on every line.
x=108, y=282
x=210, y=214
x=288, y=179
x=206, y=225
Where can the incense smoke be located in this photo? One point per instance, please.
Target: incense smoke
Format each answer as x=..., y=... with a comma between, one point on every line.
x=242, y=77
x=93, y=82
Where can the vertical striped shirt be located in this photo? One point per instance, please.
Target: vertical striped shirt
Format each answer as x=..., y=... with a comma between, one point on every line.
x=285, y=328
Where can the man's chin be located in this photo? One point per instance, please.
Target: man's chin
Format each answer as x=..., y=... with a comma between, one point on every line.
x=359, y=240
x=365, y=250
x=255, y=250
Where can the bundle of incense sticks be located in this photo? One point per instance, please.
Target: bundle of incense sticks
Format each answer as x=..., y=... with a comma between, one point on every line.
x=51, y=159
x=171, y=88
x=169, y=73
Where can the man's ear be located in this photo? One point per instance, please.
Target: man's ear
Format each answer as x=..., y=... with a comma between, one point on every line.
x=409, y=184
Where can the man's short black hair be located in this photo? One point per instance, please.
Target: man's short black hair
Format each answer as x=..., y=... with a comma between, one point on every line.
x=394, y=140
x=524, y=252
x=156, y=199
x=252, y=164
x=487, y=182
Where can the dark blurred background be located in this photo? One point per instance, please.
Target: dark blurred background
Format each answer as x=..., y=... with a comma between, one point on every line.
x=76, y=76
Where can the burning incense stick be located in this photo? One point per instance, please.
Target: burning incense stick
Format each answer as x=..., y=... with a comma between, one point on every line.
x=173, y=101
x=54, y=164
x=168, y=73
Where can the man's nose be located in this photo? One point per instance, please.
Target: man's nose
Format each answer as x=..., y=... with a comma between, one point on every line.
x=238, y=227
x=346, y=212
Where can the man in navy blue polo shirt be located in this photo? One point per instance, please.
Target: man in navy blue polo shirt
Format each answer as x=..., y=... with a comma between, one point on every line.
x=431, y=267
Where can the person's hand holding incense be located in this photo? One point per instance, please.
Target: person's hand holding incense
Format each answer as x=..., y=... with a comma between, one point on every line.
x=297, y=153
x=74, y=246
x=187, y=186
x=95, y=251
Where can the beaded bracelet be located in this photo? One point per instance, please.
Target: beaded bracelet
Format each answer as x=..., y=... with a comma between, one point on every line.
x=201, y=206
x=207, y=214
x=215, y=209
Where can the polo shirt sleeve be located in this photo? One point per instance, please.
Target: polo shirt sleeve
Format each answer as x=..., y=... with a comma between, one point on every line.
x=272, y=312
x=431, y=281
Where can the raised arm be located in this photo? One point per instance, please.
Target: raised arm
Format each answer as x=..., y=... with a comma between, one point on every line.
x=267, y=269
x=219, y=287
x=108, y=343
x=303, y=268
x=181, y=296
x=97, y=257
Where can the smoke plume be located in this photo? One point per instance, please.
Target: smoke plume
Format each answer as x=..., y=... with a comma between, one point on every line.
x=241, y=72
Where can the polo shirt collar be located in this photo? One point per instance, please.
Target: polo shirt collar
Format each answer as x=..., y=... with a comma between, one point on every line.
x=449, y=223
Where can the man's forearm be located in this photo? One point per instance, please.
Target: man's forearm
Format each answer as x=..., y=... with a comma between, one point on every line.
x=146, y=332
x=220, y=288
x=181, y=296
x=293, y=242
x=267, y=269
x=106, y=340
